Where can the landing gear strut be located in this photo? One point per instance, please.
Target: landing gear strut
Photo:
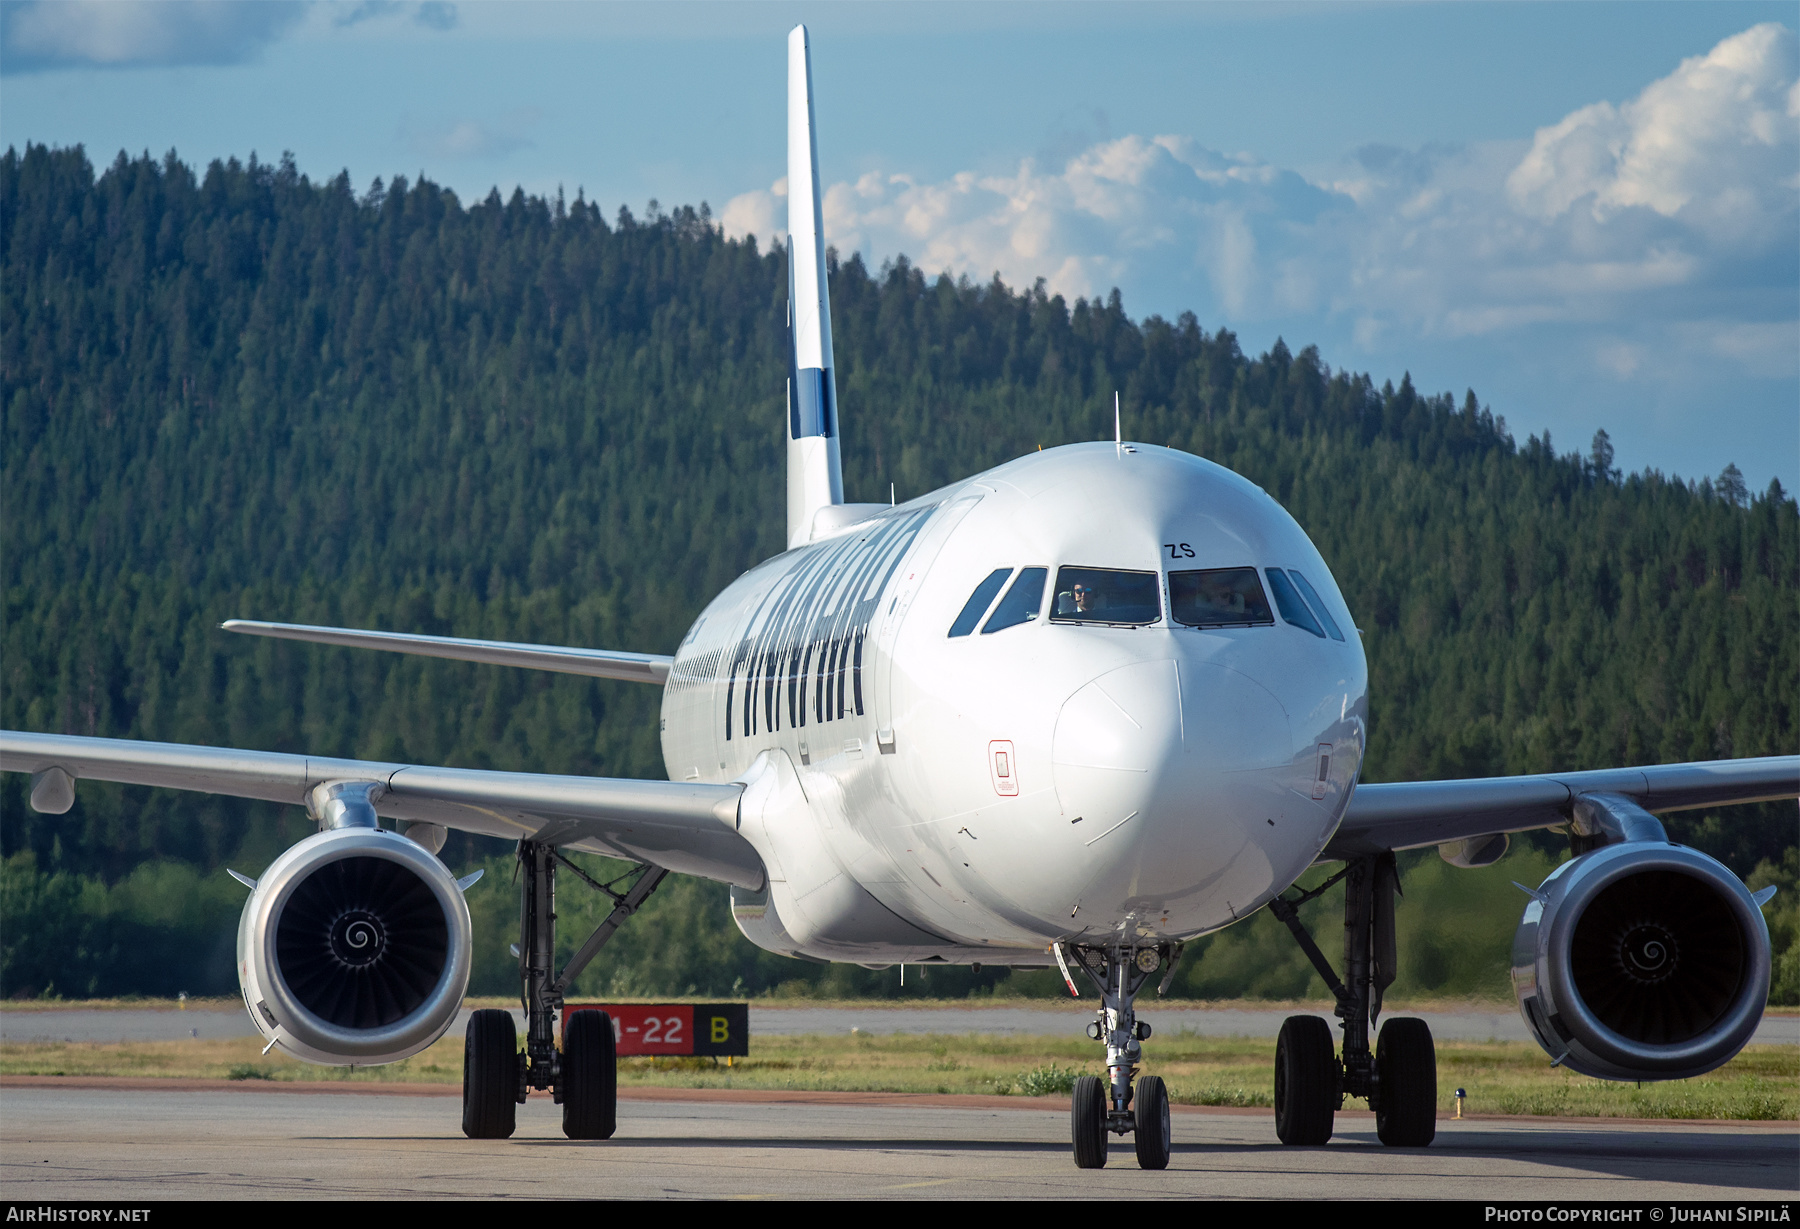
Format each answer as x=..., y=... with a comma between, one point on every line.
x=1114, y=1106
x=1398, y=1075
x=581, y=1076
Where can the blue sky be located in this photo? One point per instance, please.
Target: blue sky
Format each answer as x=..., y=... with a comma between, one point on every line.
x=1590, y=213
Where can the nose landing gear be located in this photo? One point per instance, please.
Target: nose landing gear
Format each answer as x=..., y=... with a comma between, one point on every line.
x=1113, y=1106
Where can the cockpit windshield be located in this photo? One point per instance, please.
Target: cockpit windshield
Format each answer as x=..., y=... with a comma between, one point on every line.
x=1021, y=603
x=1104, y=595
x=1219, y=597
x=1293, y=609
x=978, y=602
x=1318, y=604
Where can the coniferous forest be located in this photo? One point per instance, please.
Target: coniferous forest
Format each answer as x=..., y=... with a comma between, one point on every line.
x=246, y=393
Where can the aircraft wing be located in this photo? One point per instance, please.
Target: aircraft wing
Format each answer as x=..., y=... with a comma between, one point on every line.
x=684, y=826
x=1411, y=814
x=596, y=663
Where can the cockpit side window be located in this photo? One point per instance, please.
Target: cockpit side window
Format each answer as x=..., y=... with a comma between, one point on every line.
x=1312, y=599
x=1218, y=597
x=1021, y=603
x=1287, y=600
x=1106, y=595
x=978, y=602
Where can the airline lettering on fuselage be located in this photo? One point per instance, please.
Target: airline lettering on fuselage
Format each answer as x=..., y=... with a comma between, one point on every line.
x=804, y=640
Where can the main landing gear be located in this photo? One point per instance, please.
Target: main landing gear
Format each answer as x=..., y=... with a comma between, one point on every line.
x=582, y=1076
x=1114, y=1106
x=1400, y=1077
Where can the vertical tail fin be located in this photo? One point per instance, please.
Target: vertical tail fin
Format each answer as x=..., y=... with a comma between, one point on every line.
x=815, y=472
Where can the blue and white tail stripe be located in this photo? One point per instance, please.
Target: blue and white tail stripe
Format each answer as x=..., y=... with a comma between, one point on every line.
x=815, y=471
x=812, y=397
x=812, y=404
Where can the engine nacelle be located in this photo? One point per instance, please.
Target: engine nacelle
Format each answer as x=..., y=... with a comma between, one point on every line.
x=354, y=948
x=1642, y=961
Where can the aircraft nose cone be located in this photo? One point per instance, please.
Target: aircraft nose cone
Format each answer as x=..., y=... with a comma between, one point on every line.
x=1127, y=721
x=1118, y=743
x=1164, y=768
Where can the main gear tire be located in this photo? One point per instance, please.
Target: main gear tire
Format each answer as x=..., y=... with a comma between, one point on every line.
x=1406, y=1101
x=1306, y=1081
x=590, y=1074
x=490, y=1075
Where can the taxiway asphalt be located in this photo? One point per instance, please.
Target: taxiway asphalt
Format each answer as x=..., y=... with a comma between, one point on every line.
x=125, y=1143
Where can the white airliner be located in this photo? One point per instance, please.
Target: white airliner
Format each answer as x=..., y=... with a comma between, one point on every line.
x=1077, y=710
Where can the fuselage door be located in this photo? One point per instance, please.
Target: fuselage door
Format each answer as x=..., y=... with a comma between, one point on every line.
x=910, y=575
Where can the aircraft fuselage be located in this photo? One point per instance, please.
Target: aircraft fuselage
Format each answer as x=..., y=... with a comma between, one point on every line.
x=1147, y=770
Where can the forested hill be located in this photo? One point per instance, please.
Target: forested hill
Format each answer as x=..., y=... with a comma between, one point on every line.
x=248, y=394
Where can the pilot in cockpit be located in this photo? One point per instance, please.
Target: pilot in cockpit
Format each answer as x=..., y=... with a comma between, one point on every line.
x=1079, y=601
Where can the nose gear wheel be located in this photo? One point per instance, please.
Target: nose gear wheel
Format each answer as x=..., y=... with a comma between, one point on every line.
x=1114, y=1106
x=1150, y=1115
x=1087, y=1112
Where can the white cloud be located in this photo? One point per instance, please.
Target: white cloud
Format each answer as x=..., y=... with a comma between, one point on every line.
x=1623, y=265
x=46, y=35
x=1673, y=214
x=1770, y=349
x=1621, y=358
x=757, y=213
x=432, y=14
x=436, y=15
x=468, y=138
x=1712, y=143
x=1082, y=228
x=49, y=34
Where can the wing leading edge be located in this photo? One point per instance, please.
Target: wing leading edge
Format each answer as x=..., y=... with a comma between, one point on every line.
x=595, y=663
x=1412, y=814
x=682, y=826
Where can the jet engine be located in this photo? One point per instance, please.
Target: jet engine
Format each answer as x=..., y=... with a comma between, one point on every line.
x=354, y=948
x=1642, y=960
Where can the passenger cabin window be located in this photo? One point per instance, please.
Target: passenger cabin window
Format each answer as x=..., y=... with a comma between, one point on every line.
x=1287, y=600
x=979, y=602
x=1219, y=597
x=1312, y=598
x=1103, y=595
x=1021, y=603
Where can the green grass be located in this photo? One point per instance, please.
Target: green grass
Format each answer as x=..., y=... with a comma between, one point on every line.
x=1051, y=1081
x=1762, y=1083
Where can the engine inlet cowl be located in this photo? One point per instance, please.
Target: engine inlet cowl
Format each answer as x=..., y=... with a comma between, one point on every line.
x=354, y=948
x=1641, y=961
